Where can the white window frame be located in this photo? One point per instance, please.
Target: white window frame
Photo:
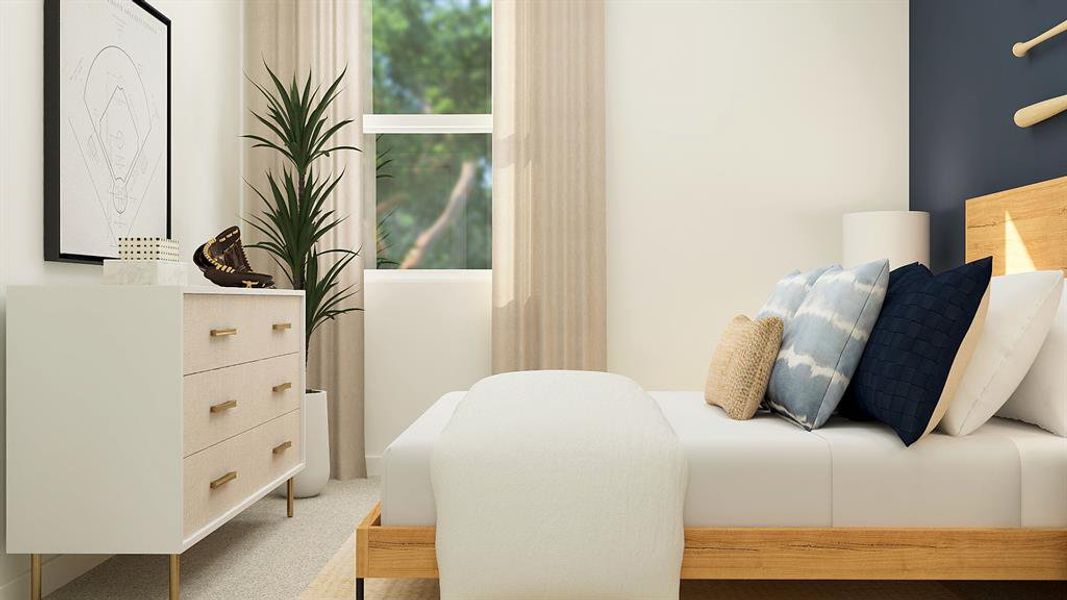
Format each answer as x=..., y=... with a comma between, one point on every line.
x=373, y=124
x=415, y=124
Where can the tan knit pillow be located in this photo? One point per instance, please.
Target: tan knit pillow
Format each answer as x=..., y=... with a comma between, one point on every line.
x=741, y=365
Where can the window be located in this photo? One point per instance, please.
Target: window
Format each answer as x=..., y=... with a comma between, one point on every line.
x=431, y=127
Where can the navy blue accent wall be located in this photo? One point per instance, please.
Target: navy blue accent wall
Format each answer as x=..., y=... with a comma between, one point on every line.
x=965, y=87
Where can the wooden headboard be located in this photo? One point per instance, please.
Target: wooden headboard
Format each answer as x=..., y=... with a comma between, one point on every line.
x=1024, y=229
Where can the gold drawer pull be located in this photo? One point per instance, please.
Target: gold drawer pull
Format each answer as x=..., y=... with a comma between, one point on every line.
x=223, y=332
x=223, y=406
x=281, y=387
x=282, y=447
x=281, y=326
x=221, y=481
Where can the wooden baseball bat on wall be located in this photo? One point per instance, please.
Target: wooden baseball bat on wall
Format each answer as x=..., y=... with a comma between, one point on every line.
x=1021, y=48
x=1035, y=113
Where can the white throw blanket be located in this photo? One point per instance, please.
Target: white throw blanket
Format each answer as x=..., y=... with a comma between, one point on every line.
x=559, y=484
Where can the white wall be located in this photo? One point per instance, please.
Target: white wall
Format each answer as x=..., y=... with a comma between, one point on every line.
x=737, y=134
x=206, y=88
x=426, y=333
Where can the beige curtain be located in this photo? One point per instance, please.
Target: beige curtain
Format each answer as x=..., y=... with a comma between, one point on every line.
x=549, y=281
x=293, y=36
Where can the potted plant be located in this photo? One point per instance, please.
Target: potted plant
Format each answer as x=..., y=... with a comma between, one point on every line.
x=293, y=223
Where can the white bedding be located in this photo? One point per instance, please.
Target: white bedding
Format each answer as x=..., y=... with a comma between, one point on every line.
x=540, y=474
x=765, y=472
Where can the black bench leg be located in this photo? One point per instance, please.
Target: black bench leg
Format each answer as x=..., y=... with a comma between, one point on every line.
x=359, y=588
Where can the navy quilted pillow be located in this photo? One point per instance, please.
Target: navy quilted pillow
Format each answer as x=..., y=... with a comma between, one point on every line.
x=920, y=346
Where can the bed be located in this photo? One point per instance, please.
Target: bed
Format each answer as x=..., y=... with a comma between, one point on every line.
x=767, y=500
x=766, y=472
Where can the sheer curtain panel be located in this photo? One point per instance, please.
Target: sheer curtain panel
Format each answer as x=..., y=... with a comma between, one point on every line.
x=549, y=281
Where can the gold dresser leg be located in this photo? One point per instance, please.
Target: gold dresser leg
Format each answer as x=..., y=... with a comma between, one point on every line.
x=35, y=577
x=175, y=577
x=289, y=497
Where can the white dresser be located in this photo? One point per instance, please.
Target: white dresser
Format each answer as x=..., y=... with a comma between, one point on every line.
x=140, y=419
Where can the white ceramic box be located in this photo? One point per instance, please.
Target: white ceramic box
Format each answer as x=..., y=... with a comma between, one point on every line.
x=145, y=272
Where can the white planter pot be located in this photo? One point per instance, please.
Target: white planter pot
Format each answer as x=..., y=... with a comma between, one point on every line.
x=316, y=473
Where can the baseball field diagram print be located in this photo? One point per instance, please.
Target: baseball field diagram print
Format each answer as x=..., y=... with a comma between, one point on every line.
x=107, y=126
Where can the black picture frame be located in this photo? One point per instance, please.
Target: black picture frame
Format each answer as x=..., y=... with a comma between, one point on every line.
x=52, y=128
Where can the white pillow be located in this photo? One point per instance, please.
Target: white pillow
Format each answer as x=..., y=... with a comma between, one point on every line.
x=1022, y=308
x=1041, y=398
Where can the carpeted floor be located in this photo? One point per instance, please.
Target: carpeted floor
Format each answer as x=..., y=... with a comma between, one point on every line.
x=260, y=555
x=264, y=556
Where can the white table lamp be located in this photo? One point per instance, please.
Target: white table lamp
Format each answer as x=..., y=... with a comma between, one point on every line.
x=902, y=236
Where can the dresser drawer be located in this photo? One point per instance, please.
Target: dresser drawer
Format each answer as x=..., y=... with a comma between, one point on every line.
x=238, y=468
x=222, y=403
x=228, y=329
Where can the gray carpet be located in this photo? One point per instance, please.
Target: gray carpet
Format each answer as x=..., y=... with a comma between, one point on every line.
x=260, y=554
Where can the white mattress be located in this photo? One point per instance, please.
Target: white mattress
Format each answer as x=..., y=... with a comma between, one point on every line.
x=766, y=472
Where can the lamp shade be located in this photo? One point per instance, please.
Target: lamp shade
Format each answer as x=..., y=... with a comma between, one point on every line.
x=902, y=236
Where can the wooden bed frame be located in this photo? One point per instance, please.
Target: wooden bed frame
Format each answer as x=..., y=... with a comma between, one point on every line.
x=1023, y=229
x=783, y=553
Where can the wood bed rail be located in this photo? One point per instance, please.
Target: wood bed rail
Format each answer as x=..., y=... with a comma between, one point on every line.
x=787, y=553
x=394, y=552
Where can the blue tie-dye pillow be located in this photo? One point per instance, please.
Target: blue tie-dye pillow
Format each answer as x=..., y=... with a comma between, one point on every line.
x=823, y=342
x=789, y=292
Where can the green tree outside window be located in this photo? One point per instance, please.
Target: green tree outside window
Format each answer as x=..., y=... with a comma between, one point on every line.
x=433, y=205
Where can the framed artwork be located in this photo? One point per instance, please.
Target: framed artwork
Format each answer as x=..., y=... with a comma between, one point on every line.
x=106, y=126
